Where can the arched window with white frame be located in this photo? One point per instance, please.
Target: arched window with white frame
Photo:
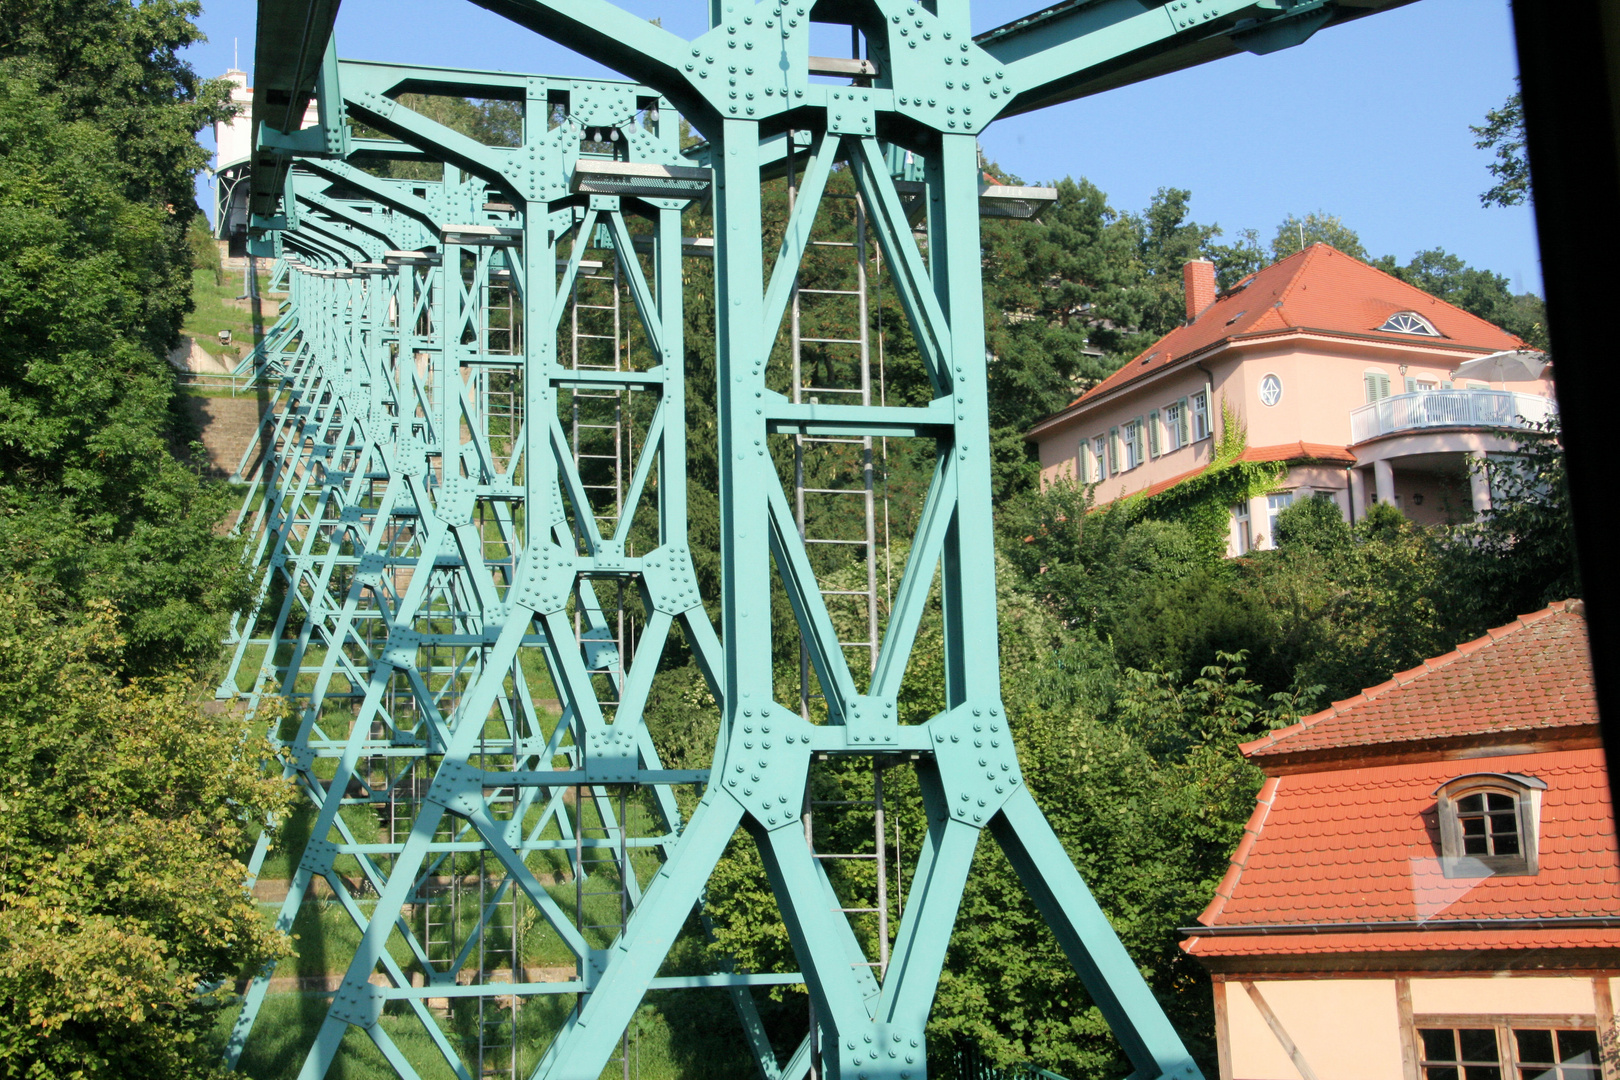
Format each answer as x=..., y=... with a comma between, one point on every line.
x=1409, y=322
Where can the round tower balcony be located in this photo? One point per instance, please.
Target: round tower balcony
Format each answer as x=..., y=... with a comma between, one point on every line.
x=1423, y=449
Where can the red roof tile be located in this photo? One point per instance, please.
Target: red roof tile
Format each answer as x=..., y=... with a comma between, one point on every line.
x=1294, y=451
x=1321, y=289
x=1361, y=846
x=1533, y=674
x=1401, y=942
x=1298, y=451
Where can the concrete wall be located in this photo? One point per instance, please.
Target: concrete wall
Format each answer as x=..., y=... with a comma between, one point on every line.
x=227, y=425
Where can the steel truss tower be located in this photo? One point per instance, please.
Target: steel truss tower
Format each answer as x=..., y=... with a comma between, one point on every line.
x=425, y=526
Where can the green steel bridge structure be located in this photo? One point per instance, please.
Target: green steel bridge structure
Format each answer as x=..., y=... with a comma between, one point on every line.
x=477, y=391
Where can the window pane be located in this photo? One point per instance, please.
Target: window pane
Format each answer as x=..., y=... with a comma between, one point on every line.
x=1534, y=1047
x=1500, y=802
x=1478, y=1044
x=1483, y=1072
x=1439, y=1044
x=1443, y=1072
x=1578, y=1047
x=1471, y=804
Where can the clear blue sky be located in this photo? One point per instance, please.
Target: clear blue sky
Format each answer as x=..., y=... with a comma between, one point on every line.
x=1367, y=121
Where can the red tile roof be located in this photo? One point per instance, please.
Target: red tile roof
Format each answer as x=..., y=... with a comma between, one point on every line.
x=1361, y=846
x=1533, y=674
x=1401, y=943
x=1321, y=289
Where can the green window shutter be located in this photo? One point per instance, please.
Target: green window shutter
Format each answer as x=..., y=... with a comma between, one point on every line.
x=1183, y=419
x=1113, y=451
x=1446, y=385
x=1153, y=433
x=1411, y=385
x=1377, y=386
x=1080, y=462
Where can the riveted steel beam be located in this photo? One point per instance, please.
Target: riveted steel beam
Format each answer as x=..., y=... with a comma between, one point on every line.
x=384, y=435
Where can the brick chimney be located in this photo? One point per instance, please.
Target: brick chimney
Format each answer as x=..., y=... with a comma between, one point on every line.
x=1199, y=278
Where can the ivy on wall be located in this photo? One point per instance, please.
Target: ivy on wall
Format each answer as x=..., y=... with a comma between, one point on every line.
x=1204, y=503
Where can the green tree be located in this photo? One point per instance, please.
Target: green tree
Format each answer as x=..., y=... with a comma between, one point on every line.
x=1239, y=259
x=1071, y=296
x=1316, y=525
x=92, y=498
x=1149, y=802
x=1166, y=241
x=1520, y=556
x=1058, y=294
x=1296, y=234
x=1478, y=292
x=125, y=812
x=117, y=66
x=1503, y=134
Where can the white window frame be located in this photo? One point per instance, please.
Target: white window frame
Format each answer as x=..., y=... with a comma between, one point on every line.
x=1201, y=428
x=1409, y=322
x=1243, y=528
x=1131, y=440
x=1175, y=420
x=1274, y=510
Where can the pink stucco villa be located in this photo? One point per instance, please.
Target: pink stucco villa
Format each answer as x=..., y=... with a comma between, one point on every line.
x=1340, y=371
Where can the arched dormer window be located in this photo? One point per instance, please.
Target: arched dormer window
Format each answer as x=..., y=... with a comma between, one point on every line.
x=1409, y=322
x=1490, y=823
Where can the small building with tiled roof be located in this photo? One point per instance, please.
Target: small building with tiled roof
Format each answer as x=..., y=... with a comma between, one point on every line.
x=1429, y=886
x=1336, y=369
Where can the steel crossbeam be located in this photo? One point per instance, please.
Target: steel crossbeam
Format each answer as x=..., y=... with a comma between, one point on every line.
x=358, y=409
x=400, y=639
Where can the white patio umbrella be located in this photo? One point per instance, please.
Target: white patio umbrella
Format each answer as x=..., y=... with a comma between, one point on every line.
x=1520, y=365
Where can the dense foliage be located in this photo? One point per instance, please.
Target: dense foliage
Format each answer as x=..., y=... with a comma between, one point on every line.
x=124, y=814
x=97, y=157
x=124, y=808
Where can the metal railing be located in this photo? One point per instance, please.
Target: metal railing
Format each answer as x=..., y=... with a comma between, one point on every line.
x=208, y=380
x=963, y=1061
x=1447, y=408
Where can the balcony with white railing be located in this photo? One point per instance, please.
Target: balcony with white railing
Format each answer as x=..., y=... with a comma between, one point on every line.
x=1429, y=409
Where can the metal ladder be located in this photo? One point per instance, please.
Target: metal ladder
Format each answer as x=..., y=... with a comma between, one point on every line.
x=879, y=857
x=497, y=1022
x=608, y=857
x=603, y=443
x=499, y=387
x=846, y=382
